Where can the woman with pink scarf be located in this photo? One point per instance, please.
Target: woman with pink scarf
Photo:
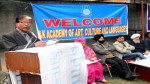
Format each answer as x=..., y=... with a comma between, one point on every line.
x=95, y=69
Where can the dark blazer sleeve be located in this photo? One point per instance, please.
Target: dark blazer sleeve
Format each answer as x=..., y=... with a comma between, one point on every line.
x=11, y=42
x=146, y=44
x=99, y=49
x=15, y=41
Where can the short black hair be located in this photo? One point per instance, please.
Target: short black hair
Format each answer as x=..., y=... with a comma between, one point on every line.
x=119, y=36
x=21, y=17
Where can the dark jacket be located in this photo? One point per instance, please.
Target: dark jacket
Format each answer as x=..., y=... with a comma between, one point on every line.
x=15, y=41
x=101, y=52
x=139, y=47
x=147, y=43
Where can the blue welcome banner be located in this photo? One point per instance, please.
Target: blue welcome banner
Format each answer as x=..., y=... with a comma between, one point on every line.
x=70, y=21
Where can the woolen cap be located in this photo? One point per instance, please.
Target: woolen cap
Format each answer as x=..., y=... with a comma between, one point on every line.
x=135, y=35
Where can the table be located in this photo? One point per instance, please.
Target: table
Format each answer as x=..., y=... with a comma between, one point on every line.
x=142, y=69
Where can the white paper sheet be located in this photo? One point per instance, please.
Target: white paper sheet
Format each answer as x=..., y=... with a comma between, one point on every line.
x=91, y=62
x=62, y=63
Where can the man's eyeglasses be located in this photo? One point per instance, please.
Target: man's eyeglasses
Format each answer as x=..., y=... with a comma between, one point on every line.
x=28, y=23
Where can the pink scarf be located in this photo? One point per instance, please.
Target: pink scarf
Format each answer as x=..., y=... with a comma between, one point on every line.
x=89, y=53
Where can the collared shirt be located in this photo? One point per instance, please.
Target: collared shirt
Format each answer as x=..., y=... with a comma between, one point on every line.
x=25, y=35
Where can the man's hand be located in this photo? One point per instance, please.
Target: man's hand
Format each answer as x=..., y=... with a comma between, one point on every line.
x=146, y=52
x=40, y=44
x=105, y=49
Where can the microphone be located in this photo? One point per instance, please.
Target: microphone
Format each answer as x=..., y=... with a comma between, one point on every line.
x=33, y=36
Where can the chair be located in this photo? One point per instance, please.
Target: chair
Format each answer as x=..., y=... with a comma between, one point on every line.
x=108, y=66
x=128, y=61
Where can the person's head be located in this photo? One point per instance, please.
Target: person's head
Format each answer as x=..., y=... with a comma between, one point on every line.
x=148, y=34
x=81, y=40
x=23, y=22
x=135, y=36
x=99, y=38
x=120, y=38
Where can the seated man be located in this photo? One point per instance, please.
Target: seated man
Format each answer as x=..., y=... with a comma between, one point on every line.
x=105, y=52
x=147, y=41
x=124, y=49
x=137, y=43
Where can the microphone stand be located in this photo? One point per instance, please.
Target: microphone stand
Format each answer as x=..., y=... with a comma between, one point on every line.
x=28, y=43
x=31, y=40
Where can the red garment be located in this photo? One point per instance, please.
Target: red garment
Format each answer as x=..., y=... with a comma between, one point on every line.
x=95, y=70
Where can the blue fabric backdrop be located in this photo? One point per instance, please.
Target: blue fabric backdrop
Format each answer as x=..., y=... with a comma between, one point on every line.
x=70, y=21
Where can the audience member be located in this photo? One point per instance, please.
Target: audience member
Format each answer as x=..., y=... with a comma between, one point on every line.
x=124, y=49
x=105, y=51
x=137, y=43
x=95, y=70
x=147, y=42
x=21, y=37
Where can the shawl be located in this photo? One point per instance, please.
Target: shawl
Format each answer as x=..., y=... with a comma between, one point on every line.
x=89, y=53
